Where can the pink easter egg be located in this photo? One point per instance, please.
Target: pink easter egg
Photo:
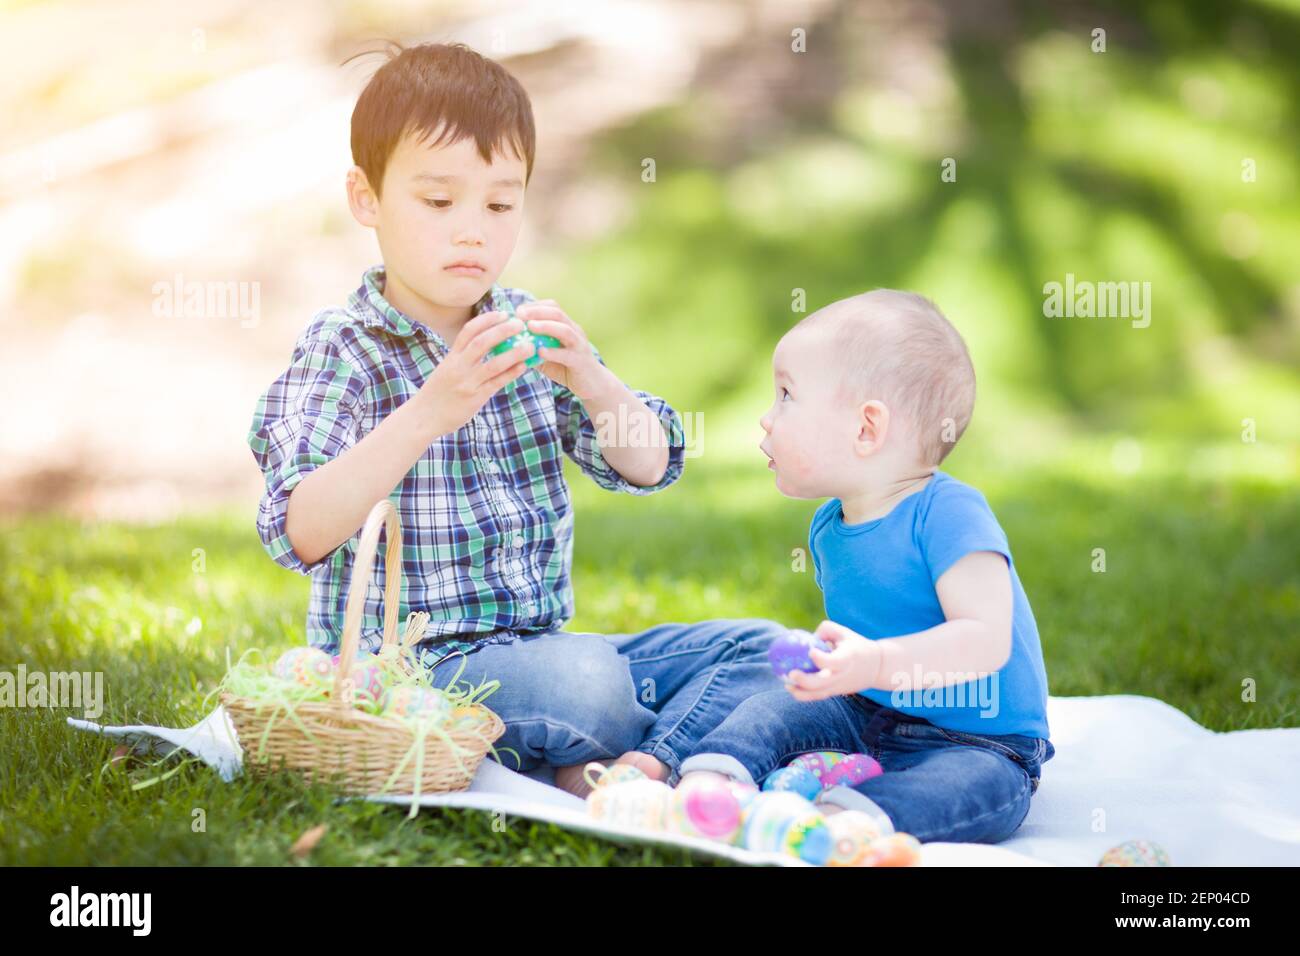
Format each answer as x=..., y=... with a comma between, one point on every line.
x=369, y=679
x=851, y=771
x=706, y=807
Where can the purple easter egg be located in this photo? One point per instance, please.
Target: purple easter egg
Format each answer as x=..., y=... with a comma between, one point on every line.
x=851, y=771
x=789, y=652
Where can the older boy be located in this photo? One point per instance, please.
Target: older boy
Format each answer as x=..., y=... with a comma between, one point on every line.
x=399, y=395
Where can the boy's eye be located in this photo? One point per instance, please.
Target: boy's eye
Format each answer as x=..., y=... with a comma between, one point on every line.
x=785, y=393
x=500, y=206
x=438, y=203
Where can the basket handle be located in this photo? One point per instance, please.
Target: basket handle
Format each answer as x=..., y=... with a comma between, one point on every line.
x=382, y=515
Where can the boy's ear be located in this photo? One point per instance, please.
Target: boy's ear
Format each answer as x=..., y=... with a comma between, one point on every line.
x=361, y=198
x=873, y=427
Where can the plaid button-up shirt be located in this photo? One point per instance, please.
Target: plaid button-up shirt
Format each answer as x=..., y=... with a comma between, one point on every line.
x=487, y=525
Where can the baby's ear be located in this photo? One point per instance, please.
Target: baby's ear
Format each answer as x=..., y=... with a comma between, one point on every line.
x=873, y=426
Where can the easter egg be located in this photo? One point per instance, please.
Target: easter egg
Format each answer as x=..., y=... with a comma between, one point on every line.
x=789, y=652
x=599, y=775
x=851, y=771
x=744, y=794
x=784, y=822
x=369, y=679
x=1136, y=853
x=705, y=807
x=409, y=702
x=468, y=717
x=817, y=762
x=640, y=804
x=533, y=340
x=852, y=833
x=795, y=780
x=894, y=849
x=307, y=667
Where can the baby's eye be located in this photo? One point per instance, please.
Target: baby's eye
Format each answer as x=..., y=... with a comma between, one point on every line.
x=438, y=203
x=500, y=206
x=785, y=393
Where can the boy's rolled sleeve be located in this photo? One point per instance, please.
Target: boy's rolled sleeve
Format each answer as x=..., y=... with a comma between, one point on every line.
x=578, y=435
x=309, y=416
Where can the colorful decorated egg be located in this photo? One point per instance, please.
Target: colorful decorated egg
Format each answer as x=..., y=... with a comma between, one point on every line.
x=789, y=652
x=411, y=702
x=307, y=667
x=1136, y=853
x=818, y=762
x=599, y=775
x=851, y=771
x=894, y=849
x=468, y=717
x=795, y=780
x=705, y=807
x=369, y=679
x=784, y=822
x=640, y=804
x=744, y=794
x=852, y=833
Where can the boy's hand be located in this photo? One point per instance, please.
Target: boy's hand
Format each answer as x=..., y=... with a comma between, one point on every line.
x=850, y=666
x=574, y=365
x=462, y=383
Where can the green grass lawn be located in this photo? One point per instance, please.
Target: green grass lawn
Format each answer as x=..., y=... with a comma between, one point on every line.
x=1201, y=592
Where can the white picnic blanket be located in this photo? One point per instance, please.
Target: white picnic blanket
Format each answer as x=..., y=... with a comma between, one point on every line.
x=1126, y=767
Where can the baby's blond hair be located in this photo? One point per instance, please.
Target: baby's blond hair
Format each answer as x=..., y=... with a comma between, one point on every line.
x=898, y=347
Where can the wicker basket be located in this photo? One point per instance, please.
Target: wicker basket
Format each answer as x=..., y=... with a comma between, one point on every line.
x=335, y=741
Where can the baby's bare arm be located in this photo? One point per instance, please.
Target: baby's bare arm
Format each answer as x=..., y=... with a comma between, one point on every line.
x=975, y=594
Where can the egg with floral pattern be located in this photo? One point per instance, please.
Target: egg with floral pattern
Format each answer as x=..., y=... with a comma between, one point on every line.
x=307, y=667
x=369, y=679
x=411, y=702
x=1136, y=853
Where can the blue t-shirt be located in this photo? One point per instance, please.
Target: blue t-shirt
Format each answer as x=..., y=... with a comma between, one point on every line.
x=878, y=578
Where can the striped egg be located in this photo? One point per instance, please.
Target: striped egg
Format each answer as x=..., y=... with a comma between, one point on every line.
x=641, y=804
x=784, y=822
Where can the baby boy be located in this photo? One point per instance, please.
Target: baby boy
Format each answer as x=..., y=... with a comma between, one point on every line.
x=934, y=667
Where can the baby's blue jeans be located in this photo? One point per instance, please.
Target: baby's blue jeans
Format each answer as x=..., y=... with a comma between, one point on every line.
x=938, y=784
x=567, y=698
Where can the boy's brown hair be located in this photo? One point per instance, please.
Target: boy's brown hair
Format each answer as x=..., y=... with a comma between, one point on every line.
x=445, y=90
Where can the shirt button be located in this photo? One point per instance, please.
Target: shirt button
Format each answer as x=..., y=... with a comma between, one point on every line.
x=518, y=541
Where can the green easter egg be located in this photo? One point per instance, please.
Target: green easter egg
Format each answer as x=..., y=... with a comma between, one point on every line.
x=528, y=338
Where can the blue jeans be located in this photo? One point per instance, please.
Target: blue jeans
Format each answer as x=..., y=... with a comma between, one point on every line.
x=938, y=784
x=567, y=698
